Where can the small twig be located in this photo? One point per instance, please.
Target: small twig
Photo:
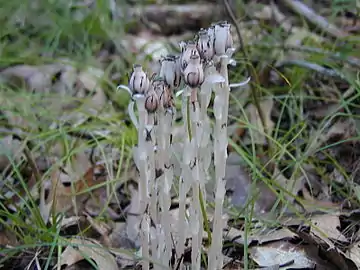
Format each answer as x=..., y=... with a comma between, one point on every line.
x=312, y=66
x=84, y=136
x=303, y=10
x=32, y=164
x=333, y=55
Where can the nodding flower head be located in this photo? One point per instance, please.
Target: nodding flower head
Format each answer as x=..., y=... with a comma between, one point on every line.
x=139, y=82
x=222, y=38
x=164, y=93
x=205, y=44
x=194, y=74
x=170, y=71
x=151, y=101
x=188, y=50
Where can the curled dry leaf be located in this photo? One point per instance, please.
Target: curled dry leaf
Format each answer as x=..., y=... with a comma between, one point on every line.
x=7, y=238
x=81, y=248
x=327, y=227
x=241, y=188
x=66, y=194
x=256, y=131
x=353, y=253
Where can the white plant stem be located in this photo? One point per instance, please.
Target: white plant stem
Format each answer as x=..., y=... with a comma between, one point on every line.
x=185, y=177
x=221, y=104
x=198, y=182
x=166, y=180
x=143, y=154
x=205, y=127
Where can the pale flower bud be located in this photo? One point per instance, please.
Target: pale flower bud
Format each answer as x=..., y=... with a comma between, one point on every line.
x=139, y=82
x=222, y=38
x=194, y=74
x=170, y=71
x=205, y=45
x=189, y=50
x=167, y=98
x=151, y=101
x=163, y=92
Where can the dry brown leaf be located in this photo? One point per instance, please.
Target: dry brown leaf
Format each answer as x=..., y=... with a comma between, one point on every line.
x=275, y=235
x=354, y=254
x=10, y=151
x=326, y=227
x=232, y=265
x=310, y=204
x=7, y=238
x=256, y=132
x=79, y=249
x=340, y=130
x=281, y=253
x=240, y=186
x=90, y=79
x=61, y=78
x=103, y=229
x=64, y=198
x=32, y=76
x=263, y=237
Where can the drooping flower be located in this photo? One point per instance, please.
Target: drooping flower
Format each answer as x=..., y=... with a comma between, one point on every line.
x=205, y=44
x=163, y=92
x=189, y=50
x=194, y=73
x=170, y=71
x=151, y=101
x=139, y=82
x=222, y=38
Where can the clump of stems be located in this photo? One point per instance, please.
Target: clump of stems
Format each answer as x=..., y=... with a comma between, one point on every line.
x=200, y=71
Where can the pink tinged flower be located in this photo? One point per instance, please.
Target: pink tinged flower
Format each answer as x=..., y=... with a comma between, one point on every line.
x=189, y=50
x=151, y=101
x=139, y=82
x=163, y=92
x=194, y=74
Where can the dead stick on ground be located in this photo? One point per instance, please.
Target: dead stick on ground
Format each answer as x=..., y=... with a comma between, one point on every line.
x=321, y=22
x=333, y=55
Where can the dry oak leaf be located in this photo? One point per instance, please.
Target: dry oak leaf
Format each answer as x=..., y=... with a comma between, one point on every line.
x=282, y=254
x=326, y=226
x=63, y=198
x=256, y=130
x=81, y=248
x=354, y=254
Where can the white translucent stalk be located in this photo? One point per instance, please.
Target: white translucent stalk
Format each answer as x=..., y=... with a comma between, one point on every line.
x=143, y=152
x=164, y=129
x=153, y=183
x=158, y=246
x=215, y=253
x=145, y=239
x=185, y=177
x=153, y=187
x=211, y=77
x=198, y=181
x=221, y=106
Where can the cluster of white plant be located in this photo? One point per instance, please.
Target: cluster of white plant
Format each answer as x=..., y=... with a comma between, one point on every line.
x=198, y=72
